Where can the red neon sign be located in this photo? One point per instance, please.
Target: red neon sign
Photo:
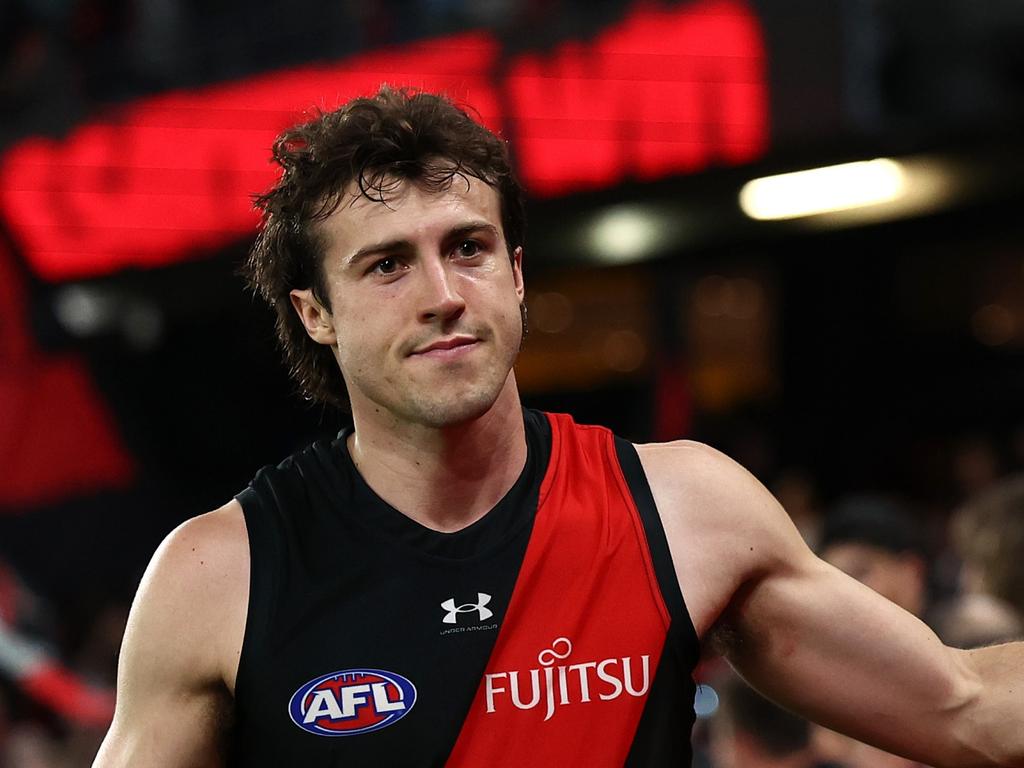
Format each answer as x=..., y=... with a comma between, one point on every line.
x=662, y=92
x=171, y=177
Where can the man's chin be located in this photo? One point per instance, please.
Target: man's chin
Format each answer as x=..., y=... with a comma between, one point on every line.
x=437, y=402
x=454, y=412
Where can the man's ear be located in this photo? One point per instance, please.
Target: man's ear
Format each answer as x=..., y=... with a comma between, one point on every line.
x=517, y=272
x=315, y=318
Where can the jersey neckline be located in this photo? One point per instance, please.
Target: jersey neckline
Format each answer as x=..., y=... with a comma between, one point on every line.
x=496, y=527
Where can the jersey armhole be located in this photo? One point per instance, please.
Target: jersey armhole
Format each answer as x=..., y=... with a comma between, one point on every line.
x=682, y=635
x=256, y=615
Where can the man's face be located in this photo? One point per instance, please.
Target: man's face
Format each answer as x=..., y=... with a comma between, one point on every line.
x=425, y=319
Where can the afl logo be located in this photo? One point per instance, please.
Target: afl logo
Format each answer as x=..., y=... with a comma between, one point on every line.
x=351, y=701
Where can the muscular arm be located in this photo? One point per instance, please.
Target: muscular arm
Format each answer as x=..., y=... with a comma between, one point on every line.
x=179, y=653
x=819, y=642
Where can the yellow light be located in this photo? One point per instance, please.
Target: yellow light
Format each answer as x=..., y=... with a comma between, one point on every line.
x=824, y=190
x=626, y=233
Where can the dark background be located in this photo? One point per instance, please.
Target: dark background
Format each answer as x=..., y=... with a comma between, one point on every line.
x=873, y=360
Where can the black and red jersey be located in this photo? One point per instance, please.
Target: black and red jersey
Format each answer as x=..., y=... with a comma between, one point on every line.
x=551, y=632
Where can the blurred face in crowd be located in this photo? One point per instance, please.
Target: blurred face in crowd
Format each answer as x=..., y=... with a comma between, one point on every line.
x=898, y=577
x=425, y=302
x=732, y=748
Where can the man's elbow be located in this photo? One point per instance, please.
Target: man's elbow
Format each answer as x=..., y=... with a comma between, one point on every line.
x=984, y=731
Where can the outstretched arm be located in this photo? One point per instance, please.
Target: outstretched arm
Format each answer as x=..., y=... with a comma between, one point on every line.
x=173, y=701
x=826, y=646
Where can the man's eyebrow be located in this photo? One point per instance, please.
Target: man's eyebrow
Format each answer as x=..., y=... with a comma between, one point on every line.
x=473, y=226
x=370, y=250
x=405, y=245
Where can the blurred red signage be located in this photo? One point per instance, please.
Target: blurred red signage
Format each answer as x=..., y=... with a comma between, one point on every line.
x=170, y=177
x=58, y=437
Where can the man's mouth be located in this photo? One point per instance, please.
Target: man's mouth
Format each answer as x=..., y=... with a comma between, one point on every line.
x=447, y=348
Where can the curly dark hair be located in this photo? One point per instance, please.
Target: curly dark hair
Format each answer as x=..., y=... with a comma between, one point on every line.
x=378, y=142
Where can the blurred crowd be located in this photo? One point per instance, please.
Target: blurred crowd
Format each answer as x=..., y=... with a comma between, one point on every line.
x=962, y=573
x=57, y=674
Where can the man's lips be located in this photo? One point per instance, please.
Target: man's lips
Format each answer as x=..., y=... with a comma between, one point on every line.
x=446, y=347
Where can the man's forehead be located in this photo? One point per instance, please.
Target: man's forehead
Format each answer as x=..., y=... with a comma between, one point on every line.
x=408, y=207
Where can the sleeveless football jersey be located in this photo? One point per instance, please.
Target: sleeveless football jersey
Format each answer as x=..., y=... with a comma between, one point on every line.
x=551, y=632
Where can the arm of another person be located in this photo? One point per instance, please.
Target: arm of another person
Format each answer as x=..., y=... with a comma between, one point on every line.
x=820, y=643
x=180, y=649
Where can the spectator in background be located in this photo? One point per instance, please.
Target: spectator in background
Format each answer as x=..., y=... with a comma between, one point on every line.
x=875, y=541
x=976, y=620
x=751, y=732
x=988, y=534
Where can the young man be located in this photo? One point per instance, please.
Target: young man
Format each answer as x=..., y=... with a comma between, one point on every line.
x=457, y=581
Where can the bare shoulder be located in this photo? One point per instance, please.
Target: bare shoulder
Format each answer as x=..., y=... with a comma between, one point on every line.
x=686, y=464
x=723, y=526
x=213, y=546
x=706, y=488
x=180, y=652
x=198, y=582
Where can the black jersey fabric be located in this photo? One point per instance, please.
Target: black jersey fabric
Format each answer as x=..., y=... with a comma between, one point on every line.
x=342, y=581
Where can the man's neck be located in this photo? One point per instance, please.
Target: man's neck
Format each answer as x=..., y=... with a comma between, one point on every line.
x=448, y=478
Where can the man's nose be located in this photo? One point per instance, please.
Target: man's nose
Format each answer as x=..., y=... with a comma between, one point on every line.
x=441, y=299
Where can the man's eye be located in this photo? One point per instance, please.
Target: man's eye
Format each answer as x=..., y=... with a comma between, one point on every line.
x=468, y=249
x=386, y=266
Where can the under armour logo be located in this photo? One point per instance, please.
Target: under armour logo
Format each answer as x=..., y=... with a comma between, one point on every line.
x=453, y=610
